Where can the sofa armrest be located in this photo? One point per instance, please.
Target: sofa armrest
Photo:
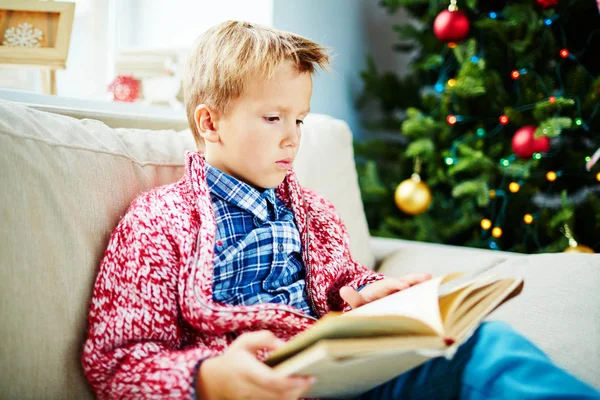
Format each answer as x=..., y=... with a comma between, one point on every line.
x=397, y=256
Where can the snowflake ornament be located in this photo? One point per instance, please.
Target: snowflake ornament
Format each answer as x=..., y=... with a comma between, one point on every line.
x=24, y=35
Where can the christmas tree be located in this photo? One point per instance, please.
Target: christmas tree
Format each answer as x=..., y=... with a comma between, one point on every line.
x=494, y=134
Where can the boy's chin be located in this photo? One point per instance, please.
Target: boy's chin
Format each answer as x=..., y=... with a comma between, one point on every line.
x=264, y=184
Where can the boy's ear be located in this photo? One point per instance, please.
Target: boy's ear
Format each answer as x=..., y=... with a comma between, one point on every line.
x=206, y=122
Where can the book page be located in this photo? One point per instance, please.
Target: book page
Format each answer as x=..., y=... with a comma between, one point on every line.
x=420, y=302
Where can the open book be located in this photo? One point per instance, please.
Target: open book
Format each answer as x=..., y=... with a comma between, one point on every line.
x=353, y=352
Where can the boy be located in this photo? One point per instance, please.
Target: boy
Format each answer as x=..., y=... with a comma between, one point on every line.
x=202, y=276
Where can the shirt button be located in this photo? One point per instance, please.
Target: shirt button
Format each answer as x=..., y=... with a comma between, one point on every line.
x=280, y=247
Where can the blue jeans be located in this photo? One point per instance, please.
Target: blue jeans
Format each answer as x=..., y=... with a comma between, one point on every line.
x=495, y=363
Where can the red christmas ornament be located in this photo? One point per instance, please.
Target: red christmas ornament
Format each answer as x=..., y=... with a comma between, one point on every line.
x=125, y=88
x=524, y=144
x=547, y=3
x=451, y=26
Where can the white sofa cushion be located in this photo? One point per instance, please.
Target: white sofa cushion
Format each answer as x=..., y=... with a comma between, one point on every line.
x=65, y=184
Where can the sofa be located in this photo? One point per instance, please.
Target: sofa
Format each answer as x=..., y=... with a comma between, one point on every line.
x=65, y=182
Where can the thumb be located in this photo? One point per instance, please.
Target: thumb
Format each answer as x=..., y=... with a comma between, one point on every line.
x=352, y=297
x=255, y=341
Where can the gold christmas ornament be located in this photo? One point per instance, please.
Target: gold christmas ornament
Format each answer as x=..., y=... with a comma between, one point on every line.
x=580, y=248
x=413, y=196
x=574, y=247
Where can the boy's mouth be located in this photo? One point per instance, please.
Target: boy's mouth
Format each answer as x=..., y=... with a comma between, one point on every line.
x=286, y=163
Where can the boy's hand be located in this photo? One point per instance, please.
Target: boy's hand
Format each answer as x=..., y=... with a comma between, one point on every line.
x=238, y=374
x=379, y=289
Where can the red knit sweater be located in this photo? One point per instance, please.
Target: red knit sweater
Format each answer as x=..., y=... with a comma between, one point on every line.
x=152, y=316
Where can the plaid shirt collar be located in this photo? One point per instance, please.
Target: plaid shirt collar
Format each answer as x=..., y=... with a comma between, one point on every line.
x=240, y=194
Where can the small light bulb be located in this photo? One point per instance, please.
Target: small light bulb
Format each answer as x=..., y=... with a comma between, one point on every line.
x=598, y=176
x=486, y=224
x=492, y=194
x=578, y=121
x=503, y=119
x=551, y=99
x=451, y=45
x=514, y=187
x=496, y=232
x=564, y=53
x=449, y=160
x=528, y=218
x=515, y=74
x=537, y=156
x=551, y=176
x=493, y=15
x=451, y=119
x=451, y=82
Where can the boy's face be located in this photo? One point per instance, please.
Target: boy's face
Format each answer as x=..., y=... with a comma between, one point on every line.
x=258, y=137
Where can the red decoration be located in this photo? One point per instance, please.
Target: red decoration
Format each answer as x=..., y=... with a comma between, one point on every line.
x=524, y=144
x=125, y=88
x=504, y=120
x=451, y=26
x=547, y=3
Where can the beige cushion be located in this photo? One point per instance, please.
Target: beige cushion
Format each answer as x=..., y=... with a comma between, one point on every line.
x=64, y=185
x=325, y=163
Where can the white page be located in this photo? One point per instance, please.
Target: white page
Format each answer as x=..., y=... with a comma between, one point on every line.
x=420, y=302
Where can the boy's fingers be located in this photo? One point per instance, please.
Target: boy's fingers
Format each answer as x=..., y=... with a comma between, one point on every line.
x=352, y=297
x=254, y=341
x=413, y=279
x=267, y=379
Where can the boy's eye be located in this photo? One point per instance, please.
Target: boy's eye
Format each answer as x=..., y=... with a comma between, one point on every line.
x=272, y=119
x=299, y=122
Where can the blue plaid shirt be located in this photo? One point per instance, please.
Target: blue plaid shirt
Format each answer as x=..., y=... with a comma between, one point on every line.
x=257, y=246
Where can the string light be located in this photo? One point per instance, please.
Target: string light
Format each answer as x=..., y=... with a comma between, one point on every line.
x=564, y=53
x=551, y=176
x=493, y=245
x=548, y=22
x=598, y=176
x=496, y=232
x=504, y=162
x=451, y=119
x=578, y=121
x=587, y=159
x=551, y=99
x=486, y=224
x=492, y=194
x=474, y=59
x=528, y=218
x=480, y=132
x=504, y=119
x=451, y=45
x=514, y=187
x=451, y=82
x=537, y=156
x=493, y=15
x=439, y=87
x=449, y=160
x=515, y=74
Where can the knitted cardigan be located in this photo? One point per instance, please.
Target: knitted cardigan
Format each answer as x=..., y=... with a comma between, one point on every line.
x=152, y=316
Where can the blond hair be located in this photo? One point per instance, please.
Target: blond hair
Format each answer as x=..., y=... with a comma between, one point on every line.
x=226, y=55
